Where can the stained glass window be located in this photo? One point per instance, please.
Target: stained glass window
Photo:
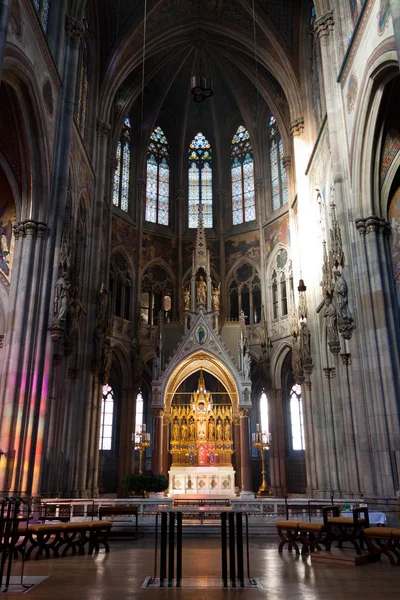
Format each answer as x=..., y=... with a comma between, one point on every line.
x=157, y=188
x=242, y=174
x=279, y=183
x=43, y=10
x=139, y=417
x=296, y=418
x=83, y=79
x=123, y=170
x=200, y=181
x=107, y=417
x=264, y=413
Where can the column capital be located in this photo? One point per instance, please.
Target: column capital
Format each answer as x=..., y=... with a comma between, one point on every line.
x=158, y=413
x=373, y=224
x=297, y=127
x=330, y=372
x=346, y=358
x=287, y=162
x=244, y=413
x=75, y=29
x=324, y=25
x=31, y=228
x=103, y=128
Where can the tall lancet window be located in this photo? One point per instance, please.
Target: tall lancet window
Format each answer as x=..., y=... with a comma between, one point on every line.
x=242, y=173
x=200, y=181
x=278, y=172
x=296, y=418
x=138, y=416
x=43, y=10
x=107, y=418
x=83, y=82
x=157, y=187
x=123, y=170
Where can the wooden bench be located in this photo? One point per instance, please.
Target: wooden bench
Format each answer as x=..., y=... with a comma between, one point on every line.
x=107, y=510
x=383, y=540
x=293, y=531
x=58, y=538
x=345, y=529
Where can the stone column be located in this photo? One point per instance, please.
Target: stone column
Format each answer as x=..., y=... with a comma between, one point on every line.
x=224, y=307
x=157, y=453
x=245, y=456
x=277, y=451
x=236, y=437
x=5, y=7
x=165, y=447
x=178, y=310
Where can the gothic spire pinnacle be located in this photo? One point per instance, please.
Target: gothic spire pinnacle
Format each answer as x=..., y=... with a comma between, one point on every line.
x=201, y=255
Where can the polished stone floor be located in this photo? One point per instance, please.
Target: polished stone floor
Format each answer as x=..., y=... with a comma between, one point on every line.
x=119, y=575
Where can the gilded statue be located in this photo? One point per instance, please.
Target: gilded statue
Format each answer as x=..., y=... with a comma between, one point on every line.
x=211, y=430
x=186, y=299
x=227, y=432
x=184, y=432
x=216, y=297
x=175, y=431
x=201, y=291
x=219, y=430
x=192, y=430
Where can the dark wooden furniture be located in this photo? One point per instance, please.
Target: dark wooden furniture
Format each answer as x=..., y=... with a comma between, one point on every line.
x=383, y=540
x=345, y=529
x=120, y=509
x=9, y=523
x=295, y=530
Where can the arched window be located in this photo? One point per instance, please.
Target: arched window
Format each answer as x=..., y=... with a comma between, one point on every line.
x=264, y=417
x=157, y=188
x=281, y=285
x=156, y=295
x=138, y=417
x=123, y=171
x=278, y=171
x=120, y=286
x=242, y=173
x=107, y=418
x=83, y=79
x=245, y=294
x=200, y=181
x=315, y=73
x=43, y=10
x=296, y=418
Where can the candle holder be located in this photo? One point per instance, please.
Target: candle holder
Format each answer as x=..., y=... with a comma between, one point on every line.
x=262, y=441
x=141, y=441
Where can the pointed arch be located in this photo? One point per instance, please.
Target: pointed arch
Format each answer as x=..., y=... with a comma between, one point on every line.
x=157, y=184
x=200, y=181
x=242, y=175
x=122, y=175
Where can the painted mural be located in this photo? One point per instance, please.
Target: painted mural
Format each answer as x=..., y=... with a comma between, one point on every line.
x=123, y=233
x=242, y=245
x=276, y=233
x=7, y=222
x=394, y=219
x=391, y=147
x=157, y=246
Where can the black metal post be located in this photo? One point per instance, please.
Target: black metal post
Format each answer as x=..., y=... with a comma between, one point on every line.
x=239, y=548
x=163, y=549
x=232, y=562
x=223, y=550
x=178, y=549
x=171, y=549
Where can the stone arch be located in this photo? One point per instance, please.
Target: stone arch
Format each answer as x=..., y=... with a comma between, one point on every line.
x=210, y=363
x=277, y=361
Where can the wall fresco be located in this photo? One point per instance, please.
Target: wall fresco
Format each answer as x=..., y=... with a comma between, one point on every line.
x=242, y=245
x=7, y=222
x=394, y=219
x=276, y=233
x=157, y=246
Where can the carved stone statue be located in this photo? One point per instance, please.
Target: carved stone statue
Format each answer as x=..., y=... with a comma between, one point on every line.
x=331, y=320
x=201, y=291
x=305, y=346
x=62, y=297
x=227, y=431
x=186, y=298
x=340, y=296
x=246, y=365
x=219, y=430
x=156, y=364
x=216, y=291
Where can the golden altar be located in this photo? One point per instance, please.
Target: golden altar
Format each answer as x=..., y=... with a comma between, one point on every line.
x=201, y=445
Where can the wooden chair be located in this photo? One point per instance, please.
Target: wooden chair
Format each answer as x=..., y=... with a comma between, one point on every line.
x=345, y=529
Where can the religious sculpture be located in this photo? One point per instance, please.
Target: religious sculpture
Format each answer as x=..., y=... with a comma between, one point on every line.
x=175, y=431
x=201, y=291
x=246, y=365
x=227, y=431
x=211, y=430
x=186, y=299
x=345, y=320
x=216, y=291
x=156, y=364
x=219, y=430
x=331, y=321
x=62, y=297
x=184, y=431
x=192, y=430
x=305, y=346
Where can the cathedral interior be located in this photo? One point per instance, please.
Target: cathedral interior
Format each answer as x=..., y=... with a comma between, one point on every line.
x=200, y=229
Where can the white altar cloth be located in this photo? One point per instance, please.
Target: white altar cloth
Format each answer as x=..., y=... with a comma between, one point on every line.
x=216, y=481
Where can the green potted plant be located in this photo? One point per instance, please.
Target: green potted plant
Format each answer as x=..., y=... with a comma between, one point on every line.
x=140, y=485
